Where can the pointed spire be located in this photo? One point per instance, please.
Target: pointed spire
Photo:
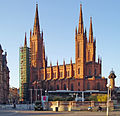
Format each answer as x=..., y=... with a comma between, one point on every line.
x=43, y=51
x=57, y=62
x=42, y=35
x=30, y=33
x=25, y=43
x=85, y=32
x=36, y=22
x=76, y=30
x=91, y=32
x=76, y=33
x=80, y=28
x=71, y=61
x=50, y=64
x=63, y=62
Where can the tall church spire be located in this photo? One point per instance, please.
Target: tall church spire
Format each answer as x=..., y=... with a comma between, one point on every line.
x=80, y=28
x=36, y=22
x=25, y=42
x=91, y=32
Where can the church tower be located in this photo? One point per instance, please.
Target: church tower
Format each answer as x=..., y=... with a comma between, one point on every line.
x=36, y=43
x=91, y=45
x=80, y=48
x=24, y=71
x=37, y=49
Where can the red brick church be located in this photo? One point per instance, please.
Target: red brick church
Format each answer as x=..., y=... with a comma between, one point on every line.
x=84, y=74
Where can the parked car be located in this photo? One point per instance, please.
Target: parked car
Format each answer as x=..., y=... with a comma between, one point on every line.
x=38, y=106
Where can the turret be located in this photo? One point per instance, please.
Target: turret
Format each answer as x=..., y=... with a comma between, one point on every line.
x=90, y=32
x=76, y=33
x=57, y=71
x=51, y=72
x=71, y=68
x=64, y=69
x=43, y=55
x=25, y=42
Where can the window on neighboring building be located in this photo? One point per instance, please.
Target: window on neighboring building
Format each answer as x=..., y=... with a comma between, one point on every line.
x=78, y=70
x=78, y=83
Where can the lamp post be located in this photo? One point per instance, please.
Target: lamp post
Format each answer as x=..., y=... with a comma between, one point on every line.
x=108, y=98
x=110, y=92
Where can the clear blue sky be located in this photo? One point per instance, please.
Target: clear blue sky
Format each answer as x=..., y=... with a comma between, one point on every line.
x=58, y=19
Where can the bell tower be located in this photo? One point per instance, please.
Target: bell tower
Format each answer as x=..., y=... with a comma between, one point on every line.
x=80, y=48
x=36, y=43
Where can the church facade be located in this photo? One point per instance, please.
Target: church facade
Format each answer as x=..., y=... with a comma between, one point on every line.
x=84, y=74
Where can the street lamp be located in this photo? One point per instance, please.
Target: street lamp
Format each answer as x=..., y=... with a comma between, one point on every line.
x=110, y=92
x=108, y=98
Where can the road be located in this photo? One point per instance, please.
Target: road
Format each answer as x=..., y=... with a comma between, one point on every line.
x=51, y=113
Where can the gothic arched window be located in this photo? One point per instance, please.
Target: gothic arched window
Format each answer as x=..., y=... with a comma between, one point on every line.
x=57, y=87
x=72, y=87
x=98, y=86
x=88, y=86
x=64, y=86
x=78, y=70
x=89, y=72
x=95, y=71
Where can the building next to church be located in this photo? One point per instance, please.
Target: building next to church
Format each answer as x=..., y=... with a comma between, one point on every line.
x=24, y=72
x=84, y=74
x=4, y=77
